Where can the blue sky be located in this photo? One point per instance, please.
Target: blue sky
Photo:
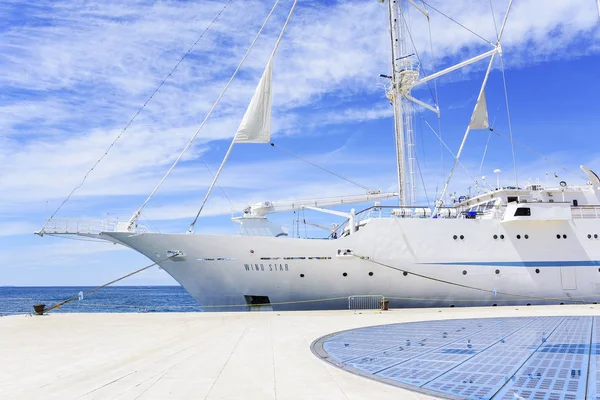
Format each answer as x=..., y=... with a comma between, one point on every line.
x=72, y=74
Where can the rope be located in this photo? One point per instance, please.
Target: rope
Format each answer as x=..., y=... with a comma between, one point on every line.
x=439, y=280
x=62, y=303
x=139, y=210
x=318, y=166
x=140, y=110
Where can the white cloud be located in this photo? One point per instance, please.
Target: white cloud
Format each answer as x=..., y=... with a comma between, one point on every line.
x=74, y=72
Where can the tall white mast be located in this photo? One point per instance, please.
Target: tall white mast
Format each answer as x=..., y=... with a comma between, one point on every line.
x=405, y=73
x=396, y=97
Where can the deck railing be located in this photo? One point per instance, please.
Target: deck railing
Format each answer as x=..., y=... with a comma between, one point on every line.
x=75, y=226
x=365, y=302
x=585, y=212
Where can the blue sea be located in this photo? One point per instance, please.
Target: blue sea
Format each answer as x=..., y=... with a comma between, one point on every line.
x=112, y=299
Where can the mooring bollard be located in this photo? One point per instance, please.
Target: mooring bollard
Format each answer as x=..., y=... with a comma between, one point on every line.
x=384, y=304
x=38, y=309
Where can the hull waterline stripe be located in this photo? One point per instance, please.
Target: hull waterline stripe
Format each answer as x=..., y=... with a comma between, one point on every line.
x=589, y=263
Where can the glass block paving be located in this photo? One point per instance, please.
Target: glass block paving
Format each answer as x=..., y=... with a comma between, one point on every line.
x=536, y=358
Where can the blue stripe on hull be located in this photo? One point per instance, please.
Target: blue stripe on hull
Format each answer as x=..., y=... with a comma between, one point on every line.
x=590, y=263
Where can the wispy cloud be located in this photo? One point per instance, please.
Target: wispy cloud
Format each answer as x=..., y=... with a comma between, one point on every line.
x=74, y=72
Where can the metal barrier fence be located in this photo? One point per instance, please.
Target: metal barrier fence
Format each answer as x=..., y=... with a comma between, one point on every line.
x=365, y=302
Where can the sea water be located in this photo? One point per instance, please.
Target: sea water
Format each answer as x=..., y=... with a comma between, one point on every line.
x=112, y=299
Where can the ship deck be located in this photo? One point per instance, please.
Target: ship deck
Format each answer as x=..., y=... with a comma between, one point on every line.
x=244, y=355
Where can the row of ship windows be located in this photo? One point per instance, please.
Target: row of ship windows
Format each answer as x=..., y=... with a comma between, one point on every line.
x=497, y=272
x=496, y=237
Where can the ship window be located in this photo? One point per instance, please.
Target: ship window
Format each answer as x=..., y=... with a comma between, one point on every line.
x=497, y=271
x=523, y=212
x=512, y=199
x=537, y=270
x=345, y=274
x=575, y=203
x=301, y=275
x=370, y=274
x=405, y=273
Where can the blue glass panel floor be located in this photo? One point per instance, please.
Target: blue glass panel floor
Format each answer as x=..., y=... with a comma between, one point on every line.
x=543, y=358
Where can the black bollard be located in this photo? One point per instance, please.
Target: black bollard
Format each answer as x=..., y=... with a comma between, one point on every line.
x=38, y=309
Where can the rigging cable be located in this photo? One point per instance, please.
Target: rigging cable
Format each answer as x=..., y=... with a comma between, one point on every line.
x=449, y=150
x=220, y=187
x=535, y=152
x=59, y=304
x=458, y=23
x=187, y=146
x=437, y=100
x=318, y=166
x=140, y=109
x=439, y=280
x=512, y=145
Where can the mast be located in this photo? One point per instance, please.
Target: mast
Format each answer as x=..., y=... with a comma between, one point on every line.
x=396, y=97
x=405, y=73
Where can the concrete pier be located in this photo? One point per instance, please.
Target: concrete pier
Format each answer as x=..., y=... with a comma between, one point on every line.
x=262, y=355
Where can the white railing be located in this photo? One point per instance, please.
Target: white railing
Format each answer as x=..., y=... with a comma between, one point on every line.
x=75, y=226
x=365, y=302
x=586, y=212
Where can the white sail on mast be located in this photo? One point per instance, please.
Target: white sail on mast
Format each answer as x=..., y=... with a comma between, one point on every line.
x=480, y=119
x=256, y=124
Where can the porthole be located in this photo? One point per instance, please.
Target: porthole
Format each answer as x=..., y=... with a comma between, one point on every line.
x=589, y=236
x=528, y=304
x=497, y=271
x=537, y=270
x=464, y=272
x=370, y=274
x=526, y=236
x=518, y=236
x=405, y=273
x=558, y=236
x=301, y=275
x=595, y=236
x=462, y=237
x=501, y=236
x=454, y=237
x=494, y=305
x=564, y=236
x=562, y=304
x=451, y=305
x=345, y=274
x=598, y=269
x=495, y=236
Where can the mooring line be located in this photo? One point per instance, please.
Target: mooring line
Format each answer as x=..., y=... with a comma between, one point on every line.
x=62, y=303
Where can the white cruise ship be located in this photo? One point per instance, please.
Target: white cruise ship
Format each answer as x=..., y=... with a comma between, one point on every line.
x=534, y=244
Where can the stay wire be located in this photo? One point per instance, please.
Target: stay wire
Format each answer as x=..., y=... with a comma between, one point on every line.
x=217, y=183
x=207, y=116
x=417, y=53
x=141, y=108
x=539, y=154
x=458, y=23
x=318, y=166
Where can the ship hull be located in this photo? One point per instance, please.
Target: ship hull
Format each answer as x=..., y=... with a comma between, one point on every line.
x=411, y=262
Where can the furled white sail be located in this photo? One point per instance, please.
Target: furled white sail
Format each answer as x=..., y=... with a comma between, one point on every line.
x=256, y=124
x=480, y=120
